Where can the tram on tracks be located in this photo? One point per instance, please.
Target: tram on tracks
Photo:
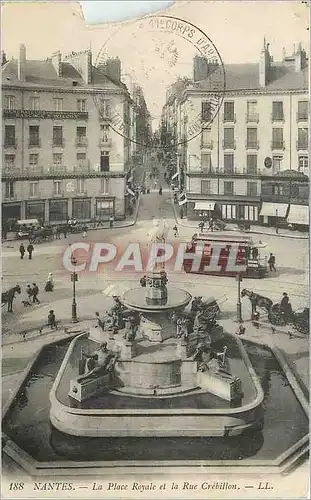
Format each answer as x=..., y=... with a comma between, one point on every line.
x=222, y=246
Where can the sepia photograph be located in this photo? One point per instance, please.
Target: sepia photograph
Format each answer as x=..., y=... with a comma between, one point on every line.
x=155, y=249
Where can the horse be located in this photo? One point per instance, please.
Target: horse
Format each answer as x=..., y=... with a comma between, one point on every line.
x=8, y=297
x=257, y=300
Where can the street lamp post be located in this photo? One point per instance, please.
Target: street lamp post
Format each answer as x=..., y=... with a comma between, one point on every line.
x=238, y=304
x=74, y=278
x=276, y=221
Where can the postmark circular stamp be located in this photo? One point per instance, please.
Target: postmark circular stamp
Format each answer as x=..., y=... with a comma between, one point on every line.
x=158, y=69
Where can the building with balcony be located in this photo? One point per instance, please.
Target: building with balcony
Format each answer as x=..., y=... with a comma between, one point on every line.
x=260, y=132
x=68, y=138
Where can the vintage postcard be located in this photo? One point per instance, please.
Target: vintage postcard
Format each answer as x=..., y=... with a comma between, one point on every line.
x=155, y=243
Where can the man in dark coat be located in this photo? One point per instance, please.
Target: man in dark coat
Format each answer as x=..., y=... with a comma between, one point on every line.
x=22, y=250
x=271, y=262
x=285, y=307
x=30, y=249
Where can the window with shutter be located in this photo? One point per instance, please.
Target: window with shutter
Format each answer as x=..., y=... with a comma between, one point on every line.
x=206, y=111
x=277, y=138
x=277, y=111
x=228, y=163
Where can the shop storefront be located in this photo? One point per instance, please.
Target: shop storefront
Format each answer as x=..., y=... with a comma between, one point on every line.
x=35, y=210
x=239, y=212
x=270, y=212
x=104, y=208
x=58, y=210
x=81, y=209
x=10, y=213
x=298, y=215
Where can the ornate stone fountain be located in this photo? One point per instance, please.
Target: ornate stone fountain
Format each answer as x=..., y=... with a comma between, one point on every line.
x=150, y=347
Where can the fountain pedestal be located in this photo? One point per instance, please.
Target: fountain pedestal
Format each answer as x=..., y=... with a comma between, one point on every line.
x=128, y=350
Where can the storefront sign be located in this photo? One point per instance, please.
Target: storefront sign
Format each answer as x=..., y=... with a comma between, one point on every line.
x=54, y=115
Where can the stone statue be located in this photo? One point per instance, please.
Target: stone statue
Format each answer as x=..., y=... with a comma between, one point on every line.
x=209, y=360
x=99, y=363
x=182, y=329
x=131, y=328
x=158, y=234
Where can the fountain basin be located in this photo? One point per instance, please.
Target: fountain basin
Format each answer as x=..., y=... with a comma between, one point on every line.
x=136, y=300
x=165, y=412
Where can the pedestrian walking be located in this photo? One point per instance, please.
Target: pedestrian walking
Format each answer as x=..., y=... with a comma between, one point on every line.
x=143, y=281
x=28, y=295
x=211, y=224
x=160, y=191
x=175, y=229
x=111, y=221
x=84, y=234
x=271, y=262
x=155, y=184
x=255, y=253
x=284, y=307
x=52, y=320
x=30, y=250
x=35, y=291
x=22, y=250
x=181, y=212
x=201, y=225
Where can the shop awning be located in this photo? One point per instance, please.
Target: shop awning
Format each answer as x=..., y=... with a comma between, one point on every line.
x=298, y=214
x=204, y=205
x=274, y=209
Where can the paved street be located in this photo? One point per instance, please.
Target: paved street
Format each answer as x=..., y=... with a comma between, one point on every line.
x=291, y=276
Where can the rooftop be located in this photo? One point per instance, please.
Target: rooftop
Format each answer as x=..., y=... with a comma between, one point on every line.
x=246, y=77
x=43, y=74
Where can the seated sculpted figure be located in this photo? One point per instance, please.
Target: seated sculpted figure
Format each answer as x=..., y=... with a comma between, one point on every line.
x=99, y=363
x=131, y=328
x=210, y=361
x=182, y=328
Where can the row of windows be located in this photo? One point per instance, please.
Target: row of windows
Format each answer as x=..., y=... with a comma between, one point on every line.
x=58, y=161
x=34, y=103
x=59, y=188
x=229, y=188
x=58, y=209
x=298, y=191
x=251, y=163
x=252, y=114
x=252, y=141
x=57, y=135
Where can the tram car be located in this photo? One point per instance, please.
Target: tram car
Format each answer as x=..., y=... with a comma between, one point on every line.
x=247, y=255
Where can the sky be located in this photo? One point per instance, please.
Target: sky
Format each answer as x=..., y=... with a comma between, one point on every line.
x=237, y=28
x=112, y=11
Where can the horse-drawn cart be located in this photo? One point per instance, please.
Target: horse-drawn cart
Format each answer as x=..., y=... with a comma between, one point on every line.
x=41, y=235
x=299, y=320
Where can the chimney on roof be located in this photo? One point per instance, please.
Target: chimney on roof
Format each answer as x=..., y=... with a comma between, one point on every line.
x=82, y=62
x=203, y=67
x=264, y=64
x=57, y=62
x=113, y=69
x=300, y=58
x=21, y=65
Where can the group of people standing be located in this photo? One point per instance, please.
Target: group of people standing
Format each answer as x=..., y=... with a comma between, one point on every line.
x=22, y=250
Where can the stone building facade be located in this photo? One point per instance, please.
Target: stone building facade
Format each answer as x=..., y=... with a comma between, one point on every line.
x=260, y=131
x=68, y=138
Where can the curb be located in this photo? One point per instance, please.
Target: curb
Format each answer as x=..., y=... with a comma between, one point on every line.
x=178, y=221
x=63, y=328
